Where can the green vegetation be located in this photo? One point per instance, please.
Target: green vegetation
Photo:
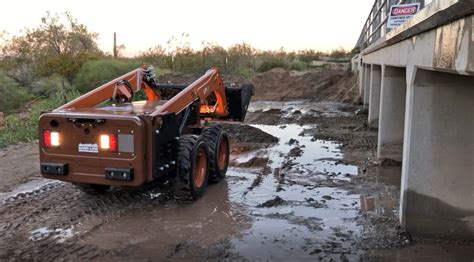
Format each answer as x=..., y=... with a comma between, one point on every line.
x=59, y=45
x=97, y=72
x=59, y=60
x=12, y=95
x=271, y=63
x=24, y=127
x=299, y=65
x=239, y=59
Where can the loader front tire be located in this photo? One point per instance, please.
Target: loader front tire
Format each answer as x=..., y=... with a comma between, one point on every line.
x=193, y=168
x=219, y=150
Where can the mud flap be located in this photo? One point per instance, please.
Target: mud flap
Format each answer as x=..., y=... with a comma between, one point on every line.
x=238, y=99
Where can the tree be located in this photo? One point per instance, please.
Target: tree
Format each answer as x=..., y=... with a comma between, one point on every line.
x=309, y=55
x=157, y=56
x=241, y=56
x=59, y=45
x=213, y=55
x=339, y=53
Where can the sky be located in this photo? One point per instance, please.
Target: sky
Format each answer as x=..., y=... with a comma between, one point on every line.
x=266, y=25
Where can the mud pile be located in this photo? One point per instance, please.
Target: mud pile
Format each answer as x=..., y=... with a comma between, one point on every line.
x=316, y=85
x=241, y=133
x=181, y=78
x=280, y=84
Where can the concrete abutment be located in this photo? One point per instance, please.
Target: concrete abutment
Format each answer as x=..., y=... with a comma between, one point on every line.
x=437, y=188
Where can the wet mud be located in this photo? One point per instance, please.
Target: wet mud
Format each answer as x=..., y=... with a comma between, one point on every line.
x=304, y=184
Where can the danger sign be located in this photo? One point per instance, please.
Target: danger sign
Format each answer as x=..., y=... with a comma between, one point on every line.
x=401, y=13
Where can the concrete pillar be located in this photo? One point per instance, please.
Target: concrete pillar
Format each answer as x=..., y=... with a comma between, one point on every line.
x=374, y=95
x=367, y=72
x=392, y=113
x=437, y=189
x=355, y=64
x=361, y=80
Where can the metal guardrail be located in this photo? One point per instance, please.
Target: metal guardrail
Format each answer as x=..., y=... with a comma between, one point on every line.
x=376, y=24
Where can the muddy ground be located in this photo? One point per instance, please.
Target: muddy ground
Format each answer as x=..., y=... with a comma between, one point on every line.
x=303, y=185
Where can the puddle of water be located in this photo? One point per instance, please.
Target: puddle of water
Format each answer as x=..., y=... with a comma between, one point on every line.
x=290, y=109
x=381, y=205
x=268, y=105
x=313, y=156
x=310, y=217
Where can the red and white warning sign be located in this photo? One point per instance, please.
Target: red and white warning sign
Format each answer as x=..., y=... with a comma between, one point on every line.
x=401, y=13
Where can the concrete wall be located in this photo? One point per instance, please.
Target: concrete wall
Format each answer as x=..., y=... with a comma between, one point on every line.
x=374, y=95
x=437, y=190
x=392, y=113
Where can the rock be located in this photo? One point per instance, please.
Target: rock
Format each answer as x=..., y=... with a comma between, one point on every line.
x=328, y=197
x=277, y=201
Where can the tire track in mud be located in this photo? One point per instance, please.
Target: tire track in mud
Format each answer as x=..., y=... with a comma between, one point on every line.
x=53, y=208
x=266, y=170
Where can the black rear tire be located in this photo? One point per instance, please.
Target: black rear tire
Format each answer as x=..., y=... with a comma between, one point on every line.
x=219, y=151
x=193, y=168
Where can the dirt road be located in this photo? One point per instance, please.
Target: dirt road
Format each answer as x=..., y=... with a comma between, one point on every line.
x=304, y=185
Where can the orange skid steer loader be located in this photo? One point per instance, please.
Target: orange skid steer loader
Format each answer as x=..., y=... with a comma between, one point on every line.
x=104, y=138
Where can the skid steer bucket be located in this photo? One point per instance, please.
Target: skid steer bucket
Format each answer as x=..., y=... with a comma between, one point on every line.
x=238, y=99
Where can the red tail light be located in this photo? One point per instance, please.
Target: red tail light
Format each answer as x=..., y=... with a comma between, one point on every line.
x=47, y=138
x=108, y=142
x=50, y=138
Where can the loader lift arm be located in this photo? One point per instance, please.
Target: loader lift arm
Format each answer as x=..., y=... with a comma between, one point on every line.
x=208, y=85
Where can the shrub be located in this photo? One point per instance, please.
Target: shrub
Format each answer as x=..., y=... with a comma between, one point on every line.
x=95, y=73
x=309, y=55
x=271, y=63
x=298, y=65
x=243, y=72
x=12, y=95
x=25, y=128
x=45, y=87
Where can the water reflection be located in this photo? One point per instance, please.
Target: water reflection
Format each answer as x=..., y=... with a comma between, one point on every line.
x=384, y=205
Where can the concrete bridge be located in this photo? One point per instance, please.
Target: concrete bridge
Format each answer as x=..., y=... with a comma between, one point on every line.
x=417, y=81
